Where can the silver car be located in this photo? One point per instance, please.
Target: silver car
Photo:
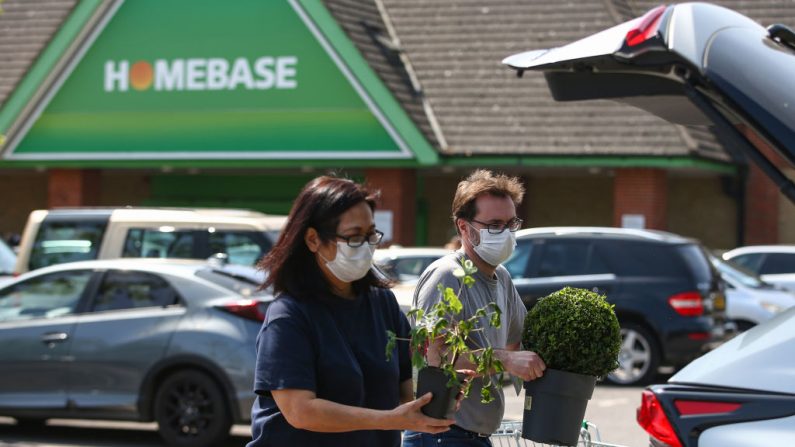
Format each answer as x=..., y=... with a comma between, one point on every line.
x=138, y=339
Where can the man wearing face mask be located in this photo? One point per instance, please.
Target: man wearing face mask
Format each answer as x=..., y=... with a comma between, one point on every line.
x=484, y=214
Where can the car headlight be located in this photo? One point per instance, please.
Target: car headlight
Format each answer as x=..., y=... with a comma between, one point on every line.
x=771, y=307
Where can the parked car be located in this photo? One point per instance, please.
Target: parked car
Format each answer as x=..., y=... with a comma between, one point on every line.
x=739, y=395
x=774, y=263
x=77, y=234
x=404, y=266
x=7, y=260
x=697, y=63
x=170, y=341
x=667, y=296
x=749, y=299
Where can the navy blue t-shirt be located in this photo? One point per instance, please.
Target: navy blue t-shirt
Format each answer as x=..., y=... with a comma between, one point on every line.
x=334, y=347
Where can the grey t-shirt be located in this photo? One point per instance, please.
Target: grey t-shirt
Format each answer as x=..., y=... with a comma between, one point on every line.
x=475, y=415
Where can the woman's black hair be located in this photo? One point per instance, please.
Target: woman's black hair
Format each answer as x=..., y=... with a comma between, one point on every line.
x=290, y=265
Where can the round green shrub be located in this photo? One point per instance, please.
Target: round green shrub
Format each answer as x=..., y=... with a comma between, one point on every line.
x=574, y=330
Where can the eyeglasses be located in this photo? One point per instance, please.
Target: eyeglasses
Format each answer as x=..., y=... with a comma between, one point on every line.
x=513, y=225
x=357, y=241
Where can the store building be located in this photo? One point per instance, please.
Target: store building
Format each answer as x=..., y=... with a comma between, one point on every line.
x=196, y=103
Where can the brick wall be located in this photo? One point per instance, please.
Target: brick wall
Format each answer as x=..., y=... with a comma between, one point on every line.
x=641, y=191
x=398, y=194
x=786, y=219
x=73, y=187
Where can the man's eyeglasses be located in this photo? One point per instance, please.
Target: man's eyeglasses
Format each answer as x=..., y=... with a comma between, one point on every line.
x=373, y=238
x=496, y=228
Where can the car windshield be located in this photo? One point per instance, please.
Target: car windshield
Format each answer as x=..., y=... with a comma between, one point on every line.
x=7, y=259
x=738, y=274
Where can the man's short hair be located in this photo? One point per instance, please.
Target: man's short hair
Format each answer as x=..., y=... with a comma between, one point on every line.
x=482, y=182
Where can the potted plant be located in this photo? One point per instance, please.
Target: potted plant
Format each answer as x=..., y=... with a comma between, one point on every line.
x=576, y=333
x=443, y=321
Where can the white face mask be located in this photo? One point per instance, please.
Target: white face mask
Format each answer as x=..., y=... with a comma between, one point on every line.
x=495, y=248
x=351, y=263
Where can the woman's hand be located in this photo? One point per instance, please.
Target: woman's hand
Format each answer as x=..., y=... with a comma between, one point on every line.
x=409, y=417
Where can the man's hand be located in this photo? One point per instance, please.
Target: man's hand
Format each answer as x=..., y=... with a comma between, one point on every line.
x=526, y=365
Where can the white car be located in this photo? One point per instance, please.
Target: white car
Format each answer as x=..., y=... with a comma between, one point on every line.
x=742, y=394
x=774, y=263
x=404, y=266
x=749, y=299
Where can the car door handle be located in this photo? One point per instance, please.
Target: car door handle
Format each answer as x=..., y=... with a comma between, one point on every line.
x=54, y=337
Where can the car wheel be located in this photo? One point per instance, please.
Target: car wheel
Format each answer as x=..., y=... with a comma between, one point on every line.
x=638, y=358
x=190, y=410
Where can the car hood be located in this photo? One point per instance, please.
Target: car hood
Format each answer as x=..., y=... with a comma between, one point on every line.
x=691, y=63
x=762, y=358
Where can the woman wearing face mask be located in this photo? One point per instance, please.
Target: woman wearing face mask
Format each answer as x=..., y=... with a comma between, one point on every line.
x=484, y=214
x=322, y=378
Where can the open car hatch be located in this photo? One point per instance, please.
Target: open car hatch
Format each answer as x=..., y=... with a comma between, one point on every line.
x=691, y=64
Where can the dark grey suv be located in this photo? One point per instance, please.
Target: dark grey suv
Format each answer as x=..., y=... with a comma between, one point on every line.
x=668, y=298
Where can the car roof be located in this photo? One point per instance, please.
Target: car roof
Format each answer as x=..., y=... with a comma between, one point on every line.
x=759, y=249
x=626, y=233
x=177, y=267
x=176, y=214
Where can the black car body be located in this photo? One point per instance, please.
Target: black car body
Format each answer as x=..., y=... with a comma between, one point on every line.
x=697, y=63
x=668, y=298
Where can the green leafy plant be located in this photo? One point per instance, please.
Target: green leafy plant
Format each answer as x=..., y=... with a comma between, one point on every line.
x=443, y=322
x=574, y=330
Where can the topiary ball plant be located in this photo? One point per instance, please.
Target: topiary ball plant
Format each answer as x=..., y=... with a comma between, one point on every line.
x=574, y=330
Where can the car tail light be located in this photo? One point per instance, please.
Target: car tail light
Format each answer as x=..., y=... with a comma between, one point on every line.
x=652, y=418
x=687, y=304
x=249, y=309
x=647, y=27
x=698, y=407
x=698, y=336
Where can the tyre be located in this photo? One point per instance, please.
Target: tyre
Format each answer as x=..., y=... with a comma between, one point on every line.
x=190, y=410
x=638, y=358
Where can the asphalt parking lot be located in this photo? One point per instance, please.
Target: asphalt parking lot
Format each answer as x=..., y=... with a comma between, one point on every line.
x=612, y=409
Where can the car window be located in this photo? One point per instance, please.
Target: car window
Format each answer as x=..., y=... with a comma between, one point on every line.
x=642, y=259
x=7, y=259
x=732, y=272
x=163, y=242
x=776, y=263
x=569, y=258
x=59, y=242
x=517, y=263
x=132, y=290
x=749, y=261
x=241, y=247
x=45, y=296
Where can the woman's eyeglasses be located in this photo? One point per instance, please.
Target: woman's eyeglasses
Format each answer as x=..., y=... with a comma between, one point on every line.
x=373, y=238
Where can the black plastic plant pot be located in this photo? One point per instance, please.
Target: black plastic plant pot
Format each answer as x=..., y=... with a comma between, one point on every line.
x=555, y=407
x=434, y=380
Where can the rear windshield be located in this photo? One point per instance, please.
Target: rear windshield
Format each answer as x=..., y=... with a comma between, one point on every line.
x=699, y=264
x=245, y=285
x=59, y=242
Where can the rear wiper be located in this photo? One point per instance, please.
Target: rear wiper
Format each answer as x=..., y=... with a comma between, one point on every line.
x=782, y=34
